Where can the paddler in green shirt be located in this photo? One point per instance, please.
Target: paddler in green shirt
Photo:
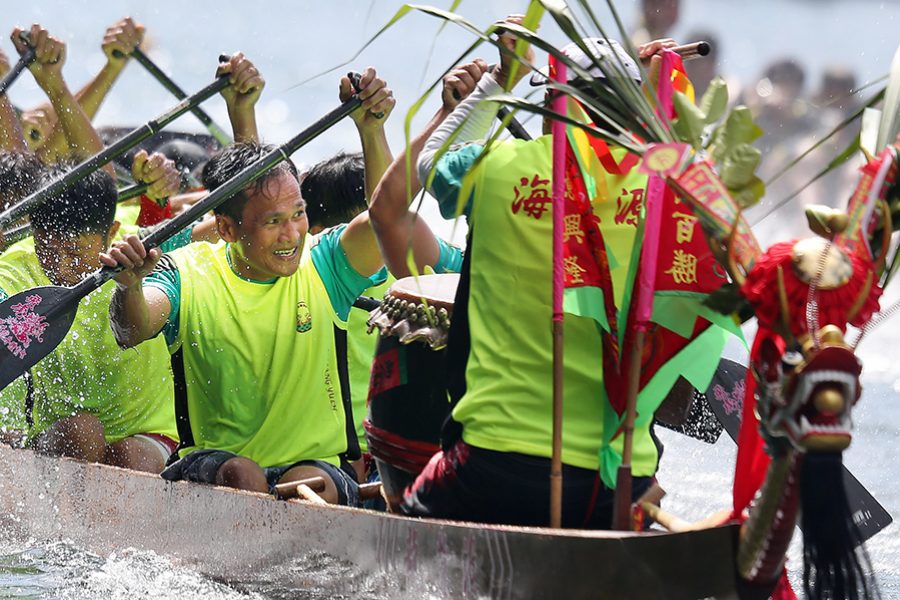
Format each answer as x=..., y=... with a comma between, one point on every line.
x=88, y=399
x=251, y=322
x=496, y=458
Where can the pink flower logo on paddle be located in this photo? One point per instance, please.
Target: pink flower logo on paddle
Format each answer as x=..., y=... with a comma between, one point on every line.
x=732, y=402
x=17, y=331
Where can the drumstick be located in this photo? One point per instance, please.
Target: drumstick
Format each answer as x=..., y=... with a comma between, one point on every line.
x=692, y=50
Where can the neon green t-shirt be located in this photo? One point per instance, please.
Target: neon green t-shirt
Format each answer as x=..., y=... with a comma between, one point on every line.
x=259, y=357
x=130, y=391
x=507, y=405
x=127, y=213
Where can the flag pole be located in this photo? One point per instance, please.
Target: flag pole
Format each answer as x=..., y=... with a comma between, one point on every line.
x=643, y=311
x=559, y=188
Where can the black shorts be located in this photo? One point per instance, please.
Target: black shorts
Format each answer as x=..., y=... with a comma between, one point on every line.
x=201, y=466
x=475, y=484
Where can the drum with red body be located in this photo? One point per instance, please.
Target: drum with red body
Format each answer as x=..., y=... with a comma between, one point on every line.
x=408, y=400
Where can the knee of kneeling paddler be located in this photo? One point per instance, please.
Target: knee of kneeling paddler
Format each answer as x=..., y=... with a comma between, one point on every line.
x=136, y=454
x=242, y=473
x=80, y=436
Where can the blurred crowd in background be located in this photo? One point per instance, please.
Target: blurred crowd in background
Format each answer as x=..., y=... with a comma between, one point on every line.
x=794, y=110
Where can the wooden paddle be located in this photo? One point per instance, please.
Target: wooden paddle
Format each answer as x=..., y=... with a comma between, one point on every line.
x=366, y=303
x=35, y=321
x=217, y=132
x=15, y=234
x=869, y=515
x=514, y=127
x=132, y=191
x=112, y=151
x=16, y=70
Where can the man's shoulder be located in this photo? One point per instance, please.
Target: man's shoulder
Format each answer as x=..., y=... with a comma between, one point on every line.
x=198, y=253
x=327, y=239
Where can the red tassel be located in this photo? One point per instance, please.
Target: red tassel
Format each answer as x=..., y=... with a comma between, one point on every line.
x=783, y=589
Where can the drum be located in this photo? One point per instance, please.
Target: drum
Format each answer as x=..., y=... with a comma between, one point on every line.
x=408, y=400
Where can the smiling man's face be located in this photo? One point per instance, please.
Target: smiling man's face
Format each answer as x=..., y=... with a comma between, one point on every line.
x=268, y=241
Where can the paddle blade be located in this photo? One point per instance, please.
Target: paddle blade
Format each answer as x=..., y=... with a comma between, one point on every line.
x=725, y=396
x=32, y=324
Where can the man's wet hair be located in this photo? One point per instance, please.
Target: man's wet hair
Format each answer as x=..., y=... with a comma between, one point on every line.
x=88, y=206
x=335, y=190
x=231, y=161
x=20, y=173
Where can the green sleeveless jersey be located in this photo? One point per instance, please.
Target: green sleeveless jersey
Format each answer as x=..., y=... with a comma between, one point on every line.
x=130, y=391
x=507, y=404
x=259, y=360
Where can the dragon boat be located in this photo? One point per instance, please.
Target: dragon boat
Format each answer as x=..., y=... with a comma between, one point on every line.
x=803, y=386
x=254, y=538
x=249, y=537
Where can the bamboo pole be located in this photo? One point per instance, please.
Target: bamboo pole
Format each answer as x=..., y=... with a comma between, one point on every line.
x=559, y=189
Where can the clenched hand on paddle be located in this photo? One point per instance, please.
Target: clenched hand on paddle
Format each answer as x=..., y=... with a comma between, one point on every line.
x=34, y=322
x=13, y=73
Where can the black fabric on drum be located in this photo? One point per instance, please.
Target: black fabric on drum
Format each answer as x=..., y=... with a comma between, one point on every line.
x=416, y=409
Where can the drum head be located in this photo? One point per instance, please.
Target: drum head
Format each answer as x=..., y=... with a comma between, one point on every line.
x=437, y=290
x=417, y=309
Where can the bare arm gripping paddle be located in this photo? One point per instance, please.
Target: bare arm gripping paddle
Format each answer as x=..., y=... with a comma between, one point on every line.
x=111, y=152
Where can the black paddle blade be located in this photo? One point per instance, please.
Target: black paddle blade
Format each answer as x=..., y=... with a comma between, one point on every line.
x=700, y=424
x=32, y=324
x=726, y=399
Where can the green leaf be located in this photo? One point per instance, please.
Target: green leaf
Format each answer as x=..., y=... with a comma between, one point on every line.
x=738, y=129
x=613, y=70
x=749, y=194
x=714, y=101
x=890, y=112
x=690, y=122
x=739, y=165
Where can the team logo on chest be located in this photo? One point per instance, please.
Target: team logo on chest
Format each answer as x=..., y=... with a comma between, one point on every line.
x=304, y=318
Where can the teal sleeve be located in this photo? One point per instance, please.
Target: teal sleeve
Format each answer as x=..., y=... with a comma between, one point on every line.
x=166, y=278
x=448, y=175
x=342, y=282
x=451, y=258
x=3, y=295
x=379, y=277
x=179, y=240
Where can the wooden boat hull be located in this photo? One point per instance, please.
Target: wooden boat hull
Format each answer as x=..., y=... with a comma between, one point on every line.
x=247, y=537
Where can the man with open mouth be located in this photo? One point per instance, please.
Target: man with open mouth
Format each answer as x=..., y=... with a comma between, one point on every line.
x=251, y=322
